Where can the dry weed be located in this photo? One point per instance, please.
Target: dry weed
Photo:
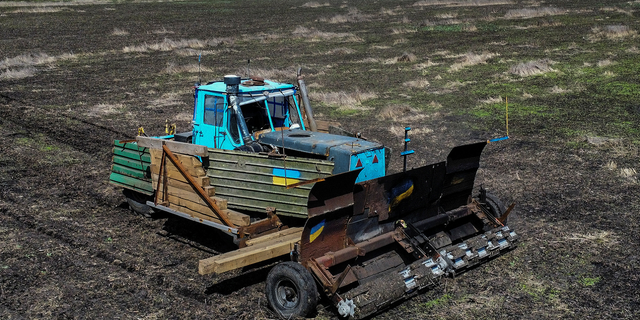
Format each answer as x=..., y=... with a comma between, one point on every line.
x=611, y=32
x=29, y=59
x=407, y=57
x=604, y=63
x=419, y=84
x=606, y=238
x=448, y=15
x=18, y=74
x=400, y=41
x=424, y=65
x=461, y=3
x=557, y=89
x=530, y=68
x=611, y=165
x=471, y=59
x=38, y=10
x=403, y=30
x=369, y=60
x=53, y=3
x=316, y=35
x=492, y=100
x=105, y=109
x=343, y=100
x=633, y=49
x=162, y=31
x=119, y=32
x=169, y=45
x=354, y=15
x=338, y=51
x=167, y=99
x=618, y=10
x=314, y=4
x=398, y=131
x=527, y=13
x=401, y=113
x=629, y=173
x=172, y=68
x=389, y=12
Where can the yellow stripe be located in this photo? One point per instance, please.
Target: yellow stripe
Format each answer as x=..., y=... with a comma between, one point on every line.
x=315, y=234
x=401, y=197
x=280, y=181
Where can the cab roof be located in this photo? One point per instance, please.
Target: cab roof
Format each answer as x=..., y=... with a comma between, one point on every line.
x=271, y=86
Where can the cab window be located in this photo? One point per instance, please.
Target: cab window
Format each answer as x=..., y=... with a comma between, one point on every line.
x=213, y=110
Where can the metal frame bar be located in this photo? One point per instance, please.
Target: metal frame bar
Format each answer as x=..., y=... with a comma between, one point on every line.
x=230, y=230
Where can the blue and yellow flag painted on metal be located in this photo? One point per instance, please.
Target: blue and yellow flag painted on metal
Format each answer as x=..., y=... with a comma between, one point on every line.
x=316, y=231
x=399, y=193
x=285, y=177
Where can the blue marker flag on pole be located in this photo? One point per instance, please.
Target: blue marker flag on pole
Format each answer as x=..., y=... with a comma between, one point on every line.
x=199, y=56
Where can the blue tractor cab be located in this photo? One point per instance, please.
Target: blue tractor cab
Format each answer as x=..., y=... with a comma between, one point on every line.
x=260, y=115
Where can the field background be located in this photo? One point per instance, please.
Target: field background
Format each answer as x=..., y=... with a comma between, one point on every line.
x=75, y=75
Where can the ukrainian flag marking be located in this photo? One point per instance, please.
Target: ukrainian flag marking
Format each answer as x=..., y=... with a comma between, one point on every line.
x=292, y=176
x=316, y=231
x=400, y=192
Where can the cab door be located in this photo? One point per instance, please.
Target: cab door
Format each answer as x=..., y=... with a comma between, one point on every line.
x=208, y=126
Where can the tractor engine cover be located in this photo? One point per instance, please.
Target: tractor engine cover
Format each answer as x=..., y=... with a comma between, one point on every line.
x=347, y=153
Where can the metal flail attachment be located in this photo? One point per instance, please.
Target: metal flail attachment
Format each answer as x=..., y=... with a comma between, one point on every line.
x=406, y=152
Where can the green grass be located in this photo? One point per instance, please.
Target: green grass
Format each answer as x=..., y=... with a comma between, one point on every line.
x=589, y=281
x=445, y=299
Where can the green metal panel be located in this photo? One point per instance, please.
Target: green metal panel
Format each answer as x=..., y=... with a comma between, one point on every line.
x=133, y=183
x=135, y=164
x=246, y=180
x=130, y=167
x=128, y=171
x=132, y=154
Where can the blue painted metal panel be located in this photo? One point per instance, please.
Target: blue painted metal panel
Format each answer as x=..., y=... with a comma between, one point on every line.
x=372, y=163
x=219, y=86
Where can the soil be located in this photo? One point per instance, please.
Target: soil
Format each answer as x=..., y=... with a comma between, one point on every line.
x=71, y=249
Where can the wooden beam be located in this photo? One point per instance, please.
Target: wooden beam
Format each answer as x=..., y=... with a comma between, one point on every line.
x=193, y=171
x=174, y=146
x=156, y=155
x=209, y=190
x=248, y=255
x=172, y=175
x=194, y=205
x=190, y=194
x=197, y=186
x=238, y=219
x=275, y=235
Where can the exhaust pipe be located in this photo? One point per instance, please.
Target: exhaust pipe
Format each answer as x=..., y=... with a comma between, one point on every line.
x=233, y=87
x=305, y=100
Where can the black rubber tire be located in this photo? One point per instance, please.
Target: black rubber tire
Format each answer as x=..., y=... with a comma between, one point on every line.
x=495, y=206
x=137, y=203
x=291, y=290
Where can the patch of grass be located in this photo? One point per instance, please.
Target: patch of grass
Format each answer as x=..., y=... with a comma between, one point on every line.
x=589, y=281
x=464, y=27
x=48, y=148
x=436, y=302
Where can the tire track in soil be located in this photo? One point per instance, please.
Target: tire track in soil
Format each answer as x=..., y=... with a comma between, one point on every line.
x=98, y=144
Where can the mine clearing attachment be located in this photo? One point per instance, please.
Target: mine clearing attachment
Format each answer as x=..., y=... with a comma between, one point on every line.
x=351, y=232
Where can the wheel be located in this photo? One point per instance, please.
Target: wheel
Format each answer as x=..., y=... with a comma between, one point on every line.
x=495, y=206
x=291, y=290
x=137, y=203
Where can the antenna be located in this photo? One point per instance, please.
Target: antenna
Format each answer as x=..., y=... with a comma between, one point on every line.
x=199, y=77
x=248, y=71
